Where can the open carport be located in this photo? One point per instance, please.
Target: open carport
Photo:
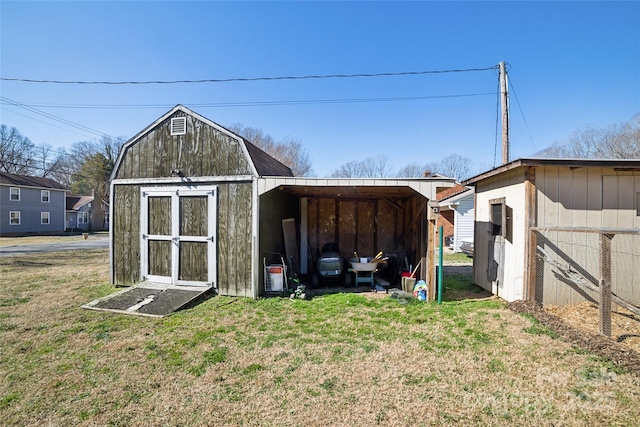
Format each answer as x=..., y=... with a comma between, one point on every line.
x=366, y=216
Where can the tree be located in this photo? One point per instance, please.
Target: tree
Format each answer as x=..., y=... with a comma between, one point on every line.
x=456, y=166
x=371, y=167
x=16, y=152
x=452, y=166
x=288, y=151
x=618, y=141
x=92, y=165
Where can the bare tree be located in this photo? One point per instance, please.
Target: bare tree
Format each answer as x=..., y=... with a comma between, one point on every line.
x=371, y=167
x=618, y=141
x=289, y=151
x=456, y=166
x=17, y=152
x=49, y=162
x=452, y=166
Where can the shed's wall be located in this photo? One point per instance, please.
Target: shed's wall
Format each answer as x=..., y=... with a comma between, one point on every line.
x=587, y=197
x=234, y=231
x=366, y=226
x=203, y=151
x=590, y=197
x=510, y=186
x=206, y=152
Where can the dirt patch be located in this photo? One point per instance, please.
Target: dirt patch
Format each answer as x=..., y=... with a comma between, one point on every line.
x=566, y=326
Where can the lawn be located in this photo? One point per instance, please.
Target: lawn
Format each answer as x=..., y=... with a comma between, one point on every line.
x=338, y=360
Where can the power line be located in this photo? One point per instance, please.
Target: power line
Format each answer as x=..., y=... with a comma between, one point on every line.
x=42, y=121
x=249, y=79
x=260, y=103
x=55, y=118
x=523, y=117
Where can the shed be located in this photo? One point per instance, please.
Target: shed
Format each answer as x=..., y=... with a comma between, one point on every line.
x=194, y=204
x=549, y=229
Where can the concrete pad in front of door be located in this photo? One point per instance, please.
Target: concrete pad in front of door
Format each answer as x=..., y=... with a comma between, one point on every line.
x=148, y=299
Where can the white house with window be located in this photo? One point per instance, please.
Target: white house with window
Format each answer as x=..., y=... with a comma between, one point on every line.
x=30, y=204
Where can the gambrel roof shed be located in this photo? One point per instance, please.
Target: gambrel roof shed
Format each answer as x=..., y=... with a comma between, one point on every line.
x=194, y=204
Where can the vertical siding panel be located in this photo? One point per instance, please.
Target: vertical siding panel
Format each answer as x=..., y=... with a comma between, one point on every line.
x=386, y=227
x=313, y=228
x=565, y=240
x=233, y=236
x=623, y=268
x=223, y=240
x=365, y=229
x=244, y=243
x=326, y=222
x=579, y=241
x=609, y=201
x=347, y=228
x=594, y=198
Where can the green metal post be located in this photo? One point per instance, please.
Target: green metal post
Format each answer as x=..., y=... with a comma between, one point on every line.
x=440, y=284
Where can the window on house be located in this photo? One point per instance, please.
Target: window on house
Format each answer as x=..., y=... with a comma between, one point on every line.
x=14, y=194
x=14, y=218
x=44, y=217
x=83, y=217
x=44, y=196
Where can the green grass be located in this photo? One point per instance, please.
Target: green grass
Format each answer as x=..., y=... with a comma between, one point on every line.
x=456, y=258
x=337, y=359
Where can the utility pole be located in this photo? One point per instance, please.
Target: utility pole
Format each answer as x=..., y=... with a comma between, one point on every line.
x=504, y=101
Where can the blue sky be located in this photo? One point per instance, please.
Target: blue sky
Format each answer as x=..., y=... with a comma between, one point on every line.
x=571, y=64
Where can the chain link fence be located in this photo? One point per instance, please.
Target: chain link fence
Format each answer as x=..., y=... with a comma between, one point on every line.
x=601, y=266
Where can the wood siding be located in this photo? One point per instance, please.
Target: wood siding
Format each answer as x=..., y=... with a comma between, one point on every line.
x=125, y=233
x=579, y=197
x=510, y=186
x=594, y=197
x=234, y=237
x=203, y=151
x=367, y=226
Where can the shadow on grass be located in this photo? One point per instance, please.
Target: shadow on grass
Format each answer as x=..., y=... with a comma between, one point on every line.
x=458, y=284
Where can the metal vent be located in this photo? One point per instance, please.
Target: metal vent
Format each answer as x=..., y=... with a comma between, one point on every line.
x=179, y=126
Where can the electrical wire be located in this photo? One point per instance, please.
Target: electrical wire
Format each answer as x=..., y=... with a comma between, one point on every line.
x=248, y=79
x=42, y=121
x=522, y=114
x=55, y=118
x=262, y=103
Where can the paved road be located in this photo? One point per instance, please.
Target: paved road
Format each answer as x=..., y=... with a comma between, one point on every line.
x=91, y=243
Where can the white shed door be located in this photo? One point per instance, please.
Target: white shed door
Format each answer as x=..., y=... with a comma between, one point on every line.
x=178, y=235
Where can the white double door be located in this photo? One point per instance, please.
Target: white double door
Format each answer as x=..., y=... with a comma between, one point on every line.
x=178, y=235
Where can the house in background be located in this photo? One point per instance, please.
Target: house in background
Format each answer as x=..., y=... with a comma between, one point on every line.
x=456, y=215
x=550, y=229
x=82, y=216
x=30, y=204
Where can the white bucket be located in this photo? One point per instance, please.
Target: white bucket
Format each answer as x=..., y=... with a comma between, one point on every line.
x=275, y=278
